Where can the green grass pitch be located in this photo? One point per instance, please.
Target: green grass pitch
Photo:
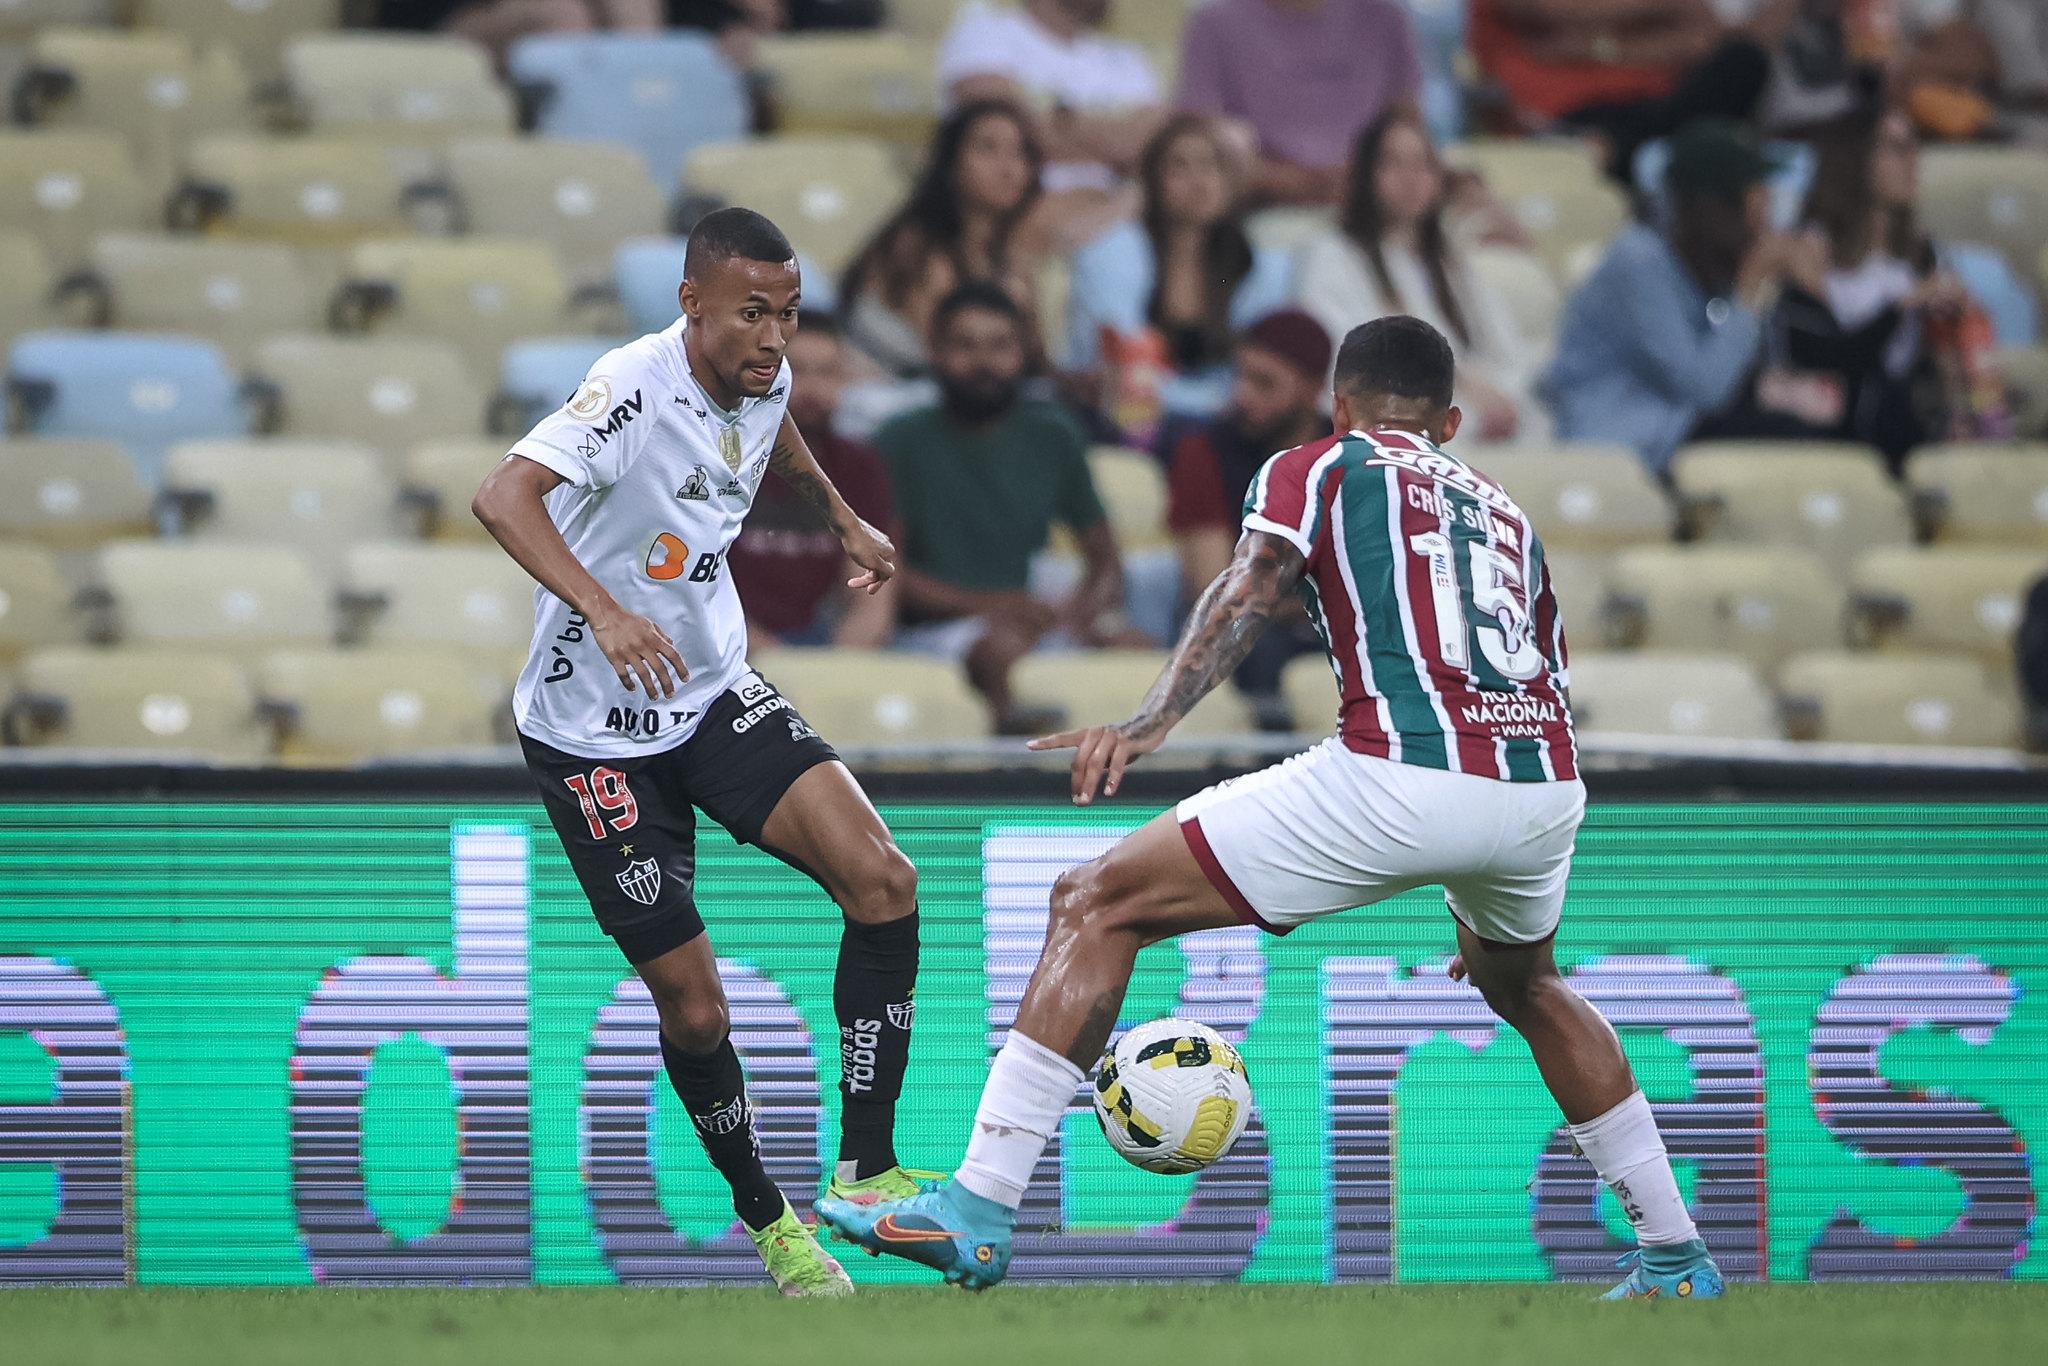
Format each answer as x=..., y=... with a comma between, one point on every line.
x=1492, y=1325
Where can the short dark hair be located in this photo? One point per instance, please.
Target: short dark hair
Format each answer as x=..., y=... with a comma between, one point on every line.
x=983, y=295
x=729, y=234
x=1398, y=356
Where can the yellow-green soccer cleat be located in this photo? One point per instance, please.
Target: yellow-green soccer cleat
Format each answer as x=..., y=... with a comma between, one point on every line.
x=799, y=1267
x=897, y=1183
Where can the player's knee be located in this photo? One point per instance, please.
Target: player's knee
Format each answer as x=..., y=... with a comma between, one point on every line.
x=1516, y=996
x=1092, y=899
x=694, y=1024
x=886, y=890
x=1068, y=909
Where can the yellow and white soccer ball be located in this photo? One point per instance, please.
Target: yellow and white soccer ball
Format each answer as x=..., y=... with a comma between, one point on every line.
x=1172, y=1096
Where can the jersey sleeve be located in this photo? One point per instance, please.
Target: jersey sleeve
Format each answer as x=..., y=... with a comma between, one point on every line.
x=593, y=438
x=1284, y=498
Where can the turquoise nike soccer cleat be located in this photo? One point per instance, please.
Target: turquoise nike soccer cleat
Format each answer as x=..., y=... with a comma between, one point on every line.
x=1678, y=1271
x=944, y=1226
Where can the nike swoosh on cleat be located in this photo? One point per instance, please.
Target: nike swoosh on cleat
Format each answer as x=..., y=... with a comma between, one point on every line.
x=889, y=1230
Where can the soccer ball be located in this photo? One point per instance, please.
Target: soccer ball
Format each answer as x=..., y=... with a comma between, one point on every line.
x=1172, y=1096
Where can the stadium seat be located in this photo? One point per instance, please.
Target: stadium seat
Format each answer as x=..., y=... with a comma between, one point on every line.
x=1978, y=493
x=477, y=294
x=1755, y=601
x=582, y=198
x=924, y=18
x=21, y=18
x=1994, y=195
x=440, y=478
x=1133, y=491
x=1579, y=583
x=538, y=376
x=144, y=700
x=234, y=598
x=1833, y=499
x=879, y=84
x=145, y=391
x=647, y=271
x=1954, y=599
x=316, y=497
x=1529, y=290
x=391, y=393
x=1308, y=687
x=346, y=706
x=37, y=605
x=1873, y=698
x=661, y=96
x=312, y=191
x=256, y=31
x=877, y=697
x=1555, y=190
x=63, y=187
x=1580, y=497
x=471, y=598
x=393, y=81
x=152, y=89
x=1099, y=686
x=1672, y=694
x=1289, y=228
x=828, y=194
x=69, y=495
x=27, y=286
x=229, y=293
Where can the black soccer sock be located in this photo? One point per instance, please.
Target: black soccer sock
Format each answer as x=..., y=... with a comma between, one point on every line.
x=714, y=1091
x=872, y=994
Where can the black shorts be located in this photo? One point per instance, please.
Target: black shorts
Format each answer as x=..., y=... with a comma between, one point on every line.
x=628, y=824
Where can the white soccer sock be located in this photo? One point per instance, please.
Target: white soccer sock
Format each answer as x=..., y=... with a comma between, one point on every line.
x=1029, y=1088
x=1625, y=1148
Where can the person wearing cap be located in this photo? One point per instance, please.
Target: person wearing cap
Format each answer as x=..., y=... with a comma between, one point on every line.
x=1664, y=333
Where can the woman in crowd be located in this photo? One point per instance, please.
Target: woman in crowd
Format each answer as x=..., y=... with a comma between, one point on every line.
x=965, y=220
x=1394, y=252
x=1156, y=302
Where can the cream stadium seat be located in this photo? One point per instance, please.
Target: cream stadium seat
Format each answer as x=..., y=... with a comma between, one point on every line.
x=829, y=194
x=1759, y=602
x=1974, y=493
x=1555, y=190
x=63, y=187
x=923, y=18
x=1101, y=686
x=877, y=697
x=37, y=606
x=69, y=494
x=152, y=89
x=1960, y=599
x=396, y=81
x=879, y=84
x=27, y=287
x=1579, y=583
x=1672, y=694
x=1897, y=699
x=1289, y=227
x=1580, y=497
x=345, y=706
x=1835, y=500
x=312, y=191
x=479, y=295
x=256, y=31
x=392, y=393
x=21, y=18
x=440, y=478
x=232, y=294
x=155, y=700
x=582, y=198
x=2026, y=380
x=472, y=598
x=1133, y=492
x=1309, y=689
x=1528, y=289
x=1155, y=24
x=1994, y=195
x=233, y=598
x=316, y=497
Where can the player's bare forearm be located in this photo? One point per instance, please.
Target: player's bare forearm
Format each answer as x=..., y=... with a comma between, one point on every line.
x=1226, y=621
x=510, y=508
x=1101, y=589
x=792, y=460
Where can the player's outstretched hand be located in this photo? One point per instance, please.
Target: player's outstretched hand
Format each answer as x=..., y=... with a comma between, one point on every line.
x=1101, y=754
x=1455, y=969
x=873, y=552
x=641, y=653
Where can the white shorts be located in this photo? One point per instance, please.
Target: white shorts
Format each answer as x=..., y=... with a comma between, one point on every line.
x=1328, y=830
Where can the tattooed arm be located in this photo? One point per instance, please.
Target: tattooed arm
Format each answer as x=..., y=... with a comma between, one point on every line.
x=1226, y=620
x=865, y=546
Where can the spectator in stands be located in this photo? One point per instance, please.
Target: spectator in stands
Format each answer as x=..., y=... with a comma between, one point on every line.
x=1395, y=252
x=1155, y=301
x=964, y=221
x=790, y=571
x=1096, y=98
x=1661, y=338
x=1306, y=75
x=497, y=24
x=980, y=478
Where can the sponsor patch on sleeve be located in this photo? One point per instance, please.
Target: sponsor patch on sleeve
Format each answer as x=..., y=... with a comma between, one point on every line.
x=592, y=400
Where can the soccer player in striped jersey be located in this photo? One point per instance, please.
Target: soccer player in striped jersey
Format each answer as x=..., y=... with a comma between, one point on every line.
x=1453, y=766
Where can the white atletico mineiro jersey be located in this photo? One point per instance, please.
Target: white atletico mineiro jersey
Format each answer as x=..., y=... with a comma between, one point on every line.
x=658, y=481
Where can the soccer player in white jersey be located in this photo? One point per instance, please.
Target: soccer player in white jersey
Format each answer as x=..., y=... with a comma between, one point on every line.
x=637, y=704
x=1453, y=765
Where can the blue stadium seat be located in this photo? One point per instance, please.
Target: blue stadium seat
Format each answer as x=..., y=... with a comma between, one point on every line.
x=539, y=375
x=147, y=392
x=1797, y=161
x=1440, y=35
x=660, y=96
x=648, y=269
